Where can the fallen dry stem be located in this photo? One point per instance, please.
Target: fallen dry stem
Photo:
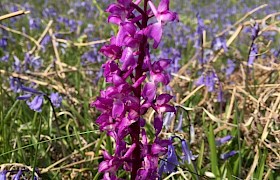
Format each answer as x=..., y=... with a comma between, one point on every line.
x=14, y=14
x=20, y=33
x=27, y=78
x=45, y=170
x=242, y=19
x=42, y=37
x=68, y=42
x=61, y=75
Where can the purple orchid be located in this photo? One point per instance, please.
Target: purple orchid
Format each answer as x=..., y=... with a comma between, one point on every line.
x=133, y=80
x=163, y=15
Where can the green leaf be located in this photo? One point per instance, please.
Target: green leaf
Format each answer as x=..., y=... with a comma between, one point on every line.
x=213, y=152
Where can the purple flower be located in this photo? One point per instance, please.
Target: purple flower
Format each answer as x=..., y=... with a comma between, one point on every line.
x=172, y=160
x=188, y=156
x=17, y=176
x=30, y=90
x=163, y=15
x=111, y=51
x=208, y=79
x=36, y=103
x=5, y=58
x=255, y=31
x=133, y=79
x=56, y=99
x=89, y=29
x=158, y=73
x=220, y=94
x=17, y=64
x=45, y=41
x=15, y=84
x=230, y=67
x=170, y=163
x=118, y=11
x=199, y=31
x=4, y=42
x=253, y=54
x=34, y=23
x=167, y=119
x=219, y=43
x=49, y=12
x=24, y=97
x=3, y=175
x=91, y=56
x=223, y=140
x=180, y=123
x=32, y=62
x=227, y=155
x=200, y=24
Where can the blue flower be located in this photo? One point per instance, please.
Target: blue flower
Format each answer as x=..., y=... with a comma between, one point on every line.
x=230, y=67
x=187, y=153
x=167, y=119
x=34, y=23
x=223, y=140
x=4, y=42
x=227, y=155
x=15, y=85
x=220, y=94
x=36, y=103
x=17, y=176
x=253, y=54
x=180, y=123
x=255, y=31
x=32, y=62
x=56, y=99
x=169, y=164
x=30, y=90
x=219, y=43
x=5, y=58
x=208, y=80
x=17, y=64
x=172, y=158
x=3, y=175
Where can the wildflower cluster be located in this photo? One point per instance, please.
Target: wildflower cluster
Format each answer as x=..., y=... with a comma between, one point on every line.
x=133, y=77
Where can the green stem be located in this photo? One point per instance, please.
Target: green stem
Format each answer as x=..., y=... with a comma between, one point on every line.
x=37, y=147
